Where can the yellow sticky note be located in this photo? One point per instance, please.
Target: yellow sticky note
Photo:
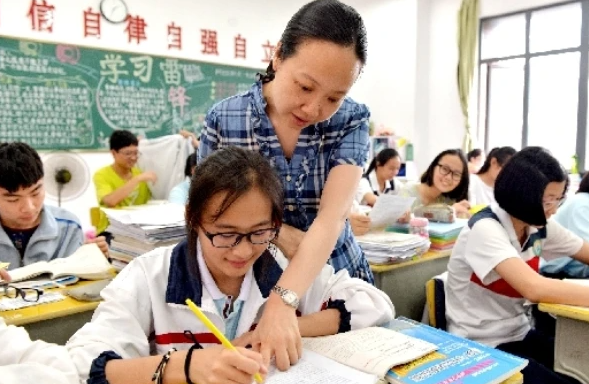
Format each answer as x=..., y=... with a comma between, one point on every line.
x=4, y=265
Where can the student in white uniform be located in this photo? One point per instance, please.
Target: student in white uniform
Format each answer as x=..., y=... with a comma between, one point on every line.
x=444, y=182
x=23, y=361
x=480, y=188
x=574, y=216
x=234, y=211
x=493, y=271
x=379, y=178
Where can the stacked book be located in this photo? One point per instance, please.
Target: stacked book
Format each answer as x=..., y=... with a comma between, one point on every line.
x=442, y=235
x=390, y=247
x=143, y=228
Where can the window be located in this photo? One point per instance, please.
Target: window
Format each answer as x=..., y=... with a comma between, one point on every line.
x=533, y=78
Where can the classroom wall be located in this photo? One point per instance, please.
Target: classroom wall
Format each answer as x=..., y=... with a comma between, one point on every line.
x=387, y=84
x=409, y=82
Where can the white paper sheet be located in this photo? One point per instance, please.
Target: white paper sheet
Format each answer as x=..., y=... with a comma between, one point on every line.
x=388, y=209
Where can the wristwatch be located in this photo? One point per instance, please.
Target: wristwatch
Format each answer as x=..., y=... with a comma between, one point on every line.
x=289, y=297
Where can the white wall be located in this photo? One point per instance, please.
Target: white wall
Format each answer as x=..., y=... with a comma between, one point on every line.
x=387, y=85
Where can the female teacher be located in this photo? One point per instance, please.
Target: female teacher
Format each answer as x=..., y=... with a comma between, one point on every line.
x=298, y=116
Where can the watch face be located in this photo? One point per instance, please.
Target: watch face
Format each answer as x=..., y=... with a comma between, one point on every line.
x=289, y=297
x=114, y=11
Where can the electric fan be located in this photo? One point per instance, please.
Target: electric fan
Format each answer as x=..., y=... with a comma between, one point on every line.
x=66, y=176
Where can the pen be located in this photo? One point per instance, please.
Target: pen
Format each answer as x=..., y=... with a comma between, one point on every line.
x=211, y=327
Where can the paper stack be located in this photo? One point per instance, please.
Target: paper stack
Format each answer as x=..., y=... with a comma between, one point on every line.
x=391, y=247
x=142, y=229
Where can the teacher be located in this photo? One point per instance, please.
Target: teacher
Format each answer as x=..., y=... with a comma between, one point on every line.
x=298, y=117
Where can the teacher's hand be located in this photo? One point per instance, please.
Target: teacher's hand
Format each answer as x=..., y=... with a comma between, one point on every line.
x=277, y=334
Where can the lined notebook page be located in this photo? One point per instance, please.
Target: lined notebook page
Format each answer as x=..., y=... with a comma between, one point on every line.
x=313, y=368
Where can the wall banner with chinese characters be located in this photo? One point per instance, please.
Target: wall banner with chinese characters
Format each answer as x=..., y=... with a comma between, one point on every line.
x=56, y=96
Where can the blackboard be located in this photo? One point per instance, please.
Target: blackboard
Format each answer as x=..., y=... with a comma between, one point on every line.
x=57, y=96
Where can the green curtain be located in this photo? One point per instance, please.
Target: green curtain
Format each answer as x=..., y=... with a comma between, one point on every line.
x=468, y=28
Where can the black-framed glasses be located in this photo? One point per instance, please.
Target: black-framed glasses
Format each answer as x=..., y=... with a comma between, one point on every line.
x=27, y=294
x=445, y=171
x=231, y=239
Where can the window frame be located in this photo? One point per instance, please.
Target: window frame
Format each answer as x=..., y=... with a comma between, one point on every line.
x=583, y=49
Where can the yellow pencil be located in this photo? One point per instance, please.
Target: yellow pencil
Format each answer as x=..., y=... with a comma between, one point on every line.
x=209, y=324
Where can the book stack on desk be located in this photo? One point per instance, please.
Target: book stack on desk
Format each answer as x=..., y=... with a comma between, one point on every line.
x=390, y=247
x=442, y=235
x=142, y=229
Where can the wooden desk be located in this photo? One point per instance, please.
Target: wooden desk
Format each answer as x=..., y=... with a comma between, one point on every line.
x=571, y=355
x=53, y=322
x=405, y=282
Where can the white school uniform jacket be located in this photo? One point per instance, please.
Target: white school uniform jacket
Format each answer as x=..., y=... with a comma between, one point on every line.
x=480, y=305
x=369, y=183
x=480, y=193
x=144, y=311
x=23, y=361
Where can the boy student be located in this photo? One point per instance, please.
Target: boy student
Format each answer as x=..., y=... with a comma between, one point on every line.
x=31, y=231
x=122, y=184
x=23, y=361
x=493, y=271
x=234, y=210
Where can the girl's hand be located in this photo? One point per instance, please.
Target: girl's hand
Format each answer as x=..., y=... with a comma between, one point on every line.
x=462, y=209
x=405, y=218
x=219, y=365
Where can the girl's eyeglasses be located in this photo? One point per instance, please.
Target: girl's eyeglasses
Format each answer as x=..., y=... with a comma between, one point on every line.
x=231, y=239
x=549, y=204
x=27, y=294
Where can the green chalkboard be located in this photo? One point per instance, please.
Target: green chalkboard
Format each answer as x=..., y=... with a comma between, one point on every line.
x=56, y=96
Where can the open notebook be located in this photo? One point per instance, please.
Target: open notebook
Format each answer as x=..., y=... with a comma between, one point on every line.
x=88, y=262
x=372, y=350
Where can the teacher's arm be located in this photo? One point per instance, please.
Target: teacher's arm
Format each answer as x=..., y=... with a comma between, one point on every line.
x=278, y=331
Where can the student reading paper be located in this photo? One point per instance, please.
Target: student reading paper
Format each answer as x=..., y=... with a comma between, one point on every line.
x=234, y=211
x=23, y=361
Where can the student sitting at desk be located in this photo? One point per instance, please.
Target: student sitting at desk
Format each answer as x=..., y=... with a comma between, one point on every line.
x=23, y=361
x=445, y=181
x=122, y=184
x=574, y=216
x=493, y=269
x=31, y=231
x=481, y=184
x=234, y=211
x=379, y=177
x=179, y=194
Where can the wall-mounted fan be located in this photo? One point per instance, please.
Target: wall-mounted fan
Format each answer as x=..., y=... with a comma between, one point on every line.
x=66, y=176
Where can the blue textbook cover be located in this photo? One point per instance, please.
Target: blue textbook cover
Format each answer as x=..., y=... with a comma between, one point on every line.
x=457, y=360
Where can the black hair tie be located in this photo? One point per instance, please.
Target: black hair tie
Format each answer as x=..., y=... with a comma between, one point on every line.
x=190, y=336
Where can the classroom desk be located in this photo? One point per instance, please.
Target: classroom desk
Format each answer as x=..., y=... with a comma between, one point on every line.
x=405, y=282
x=53, y=322
x=571, y=355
